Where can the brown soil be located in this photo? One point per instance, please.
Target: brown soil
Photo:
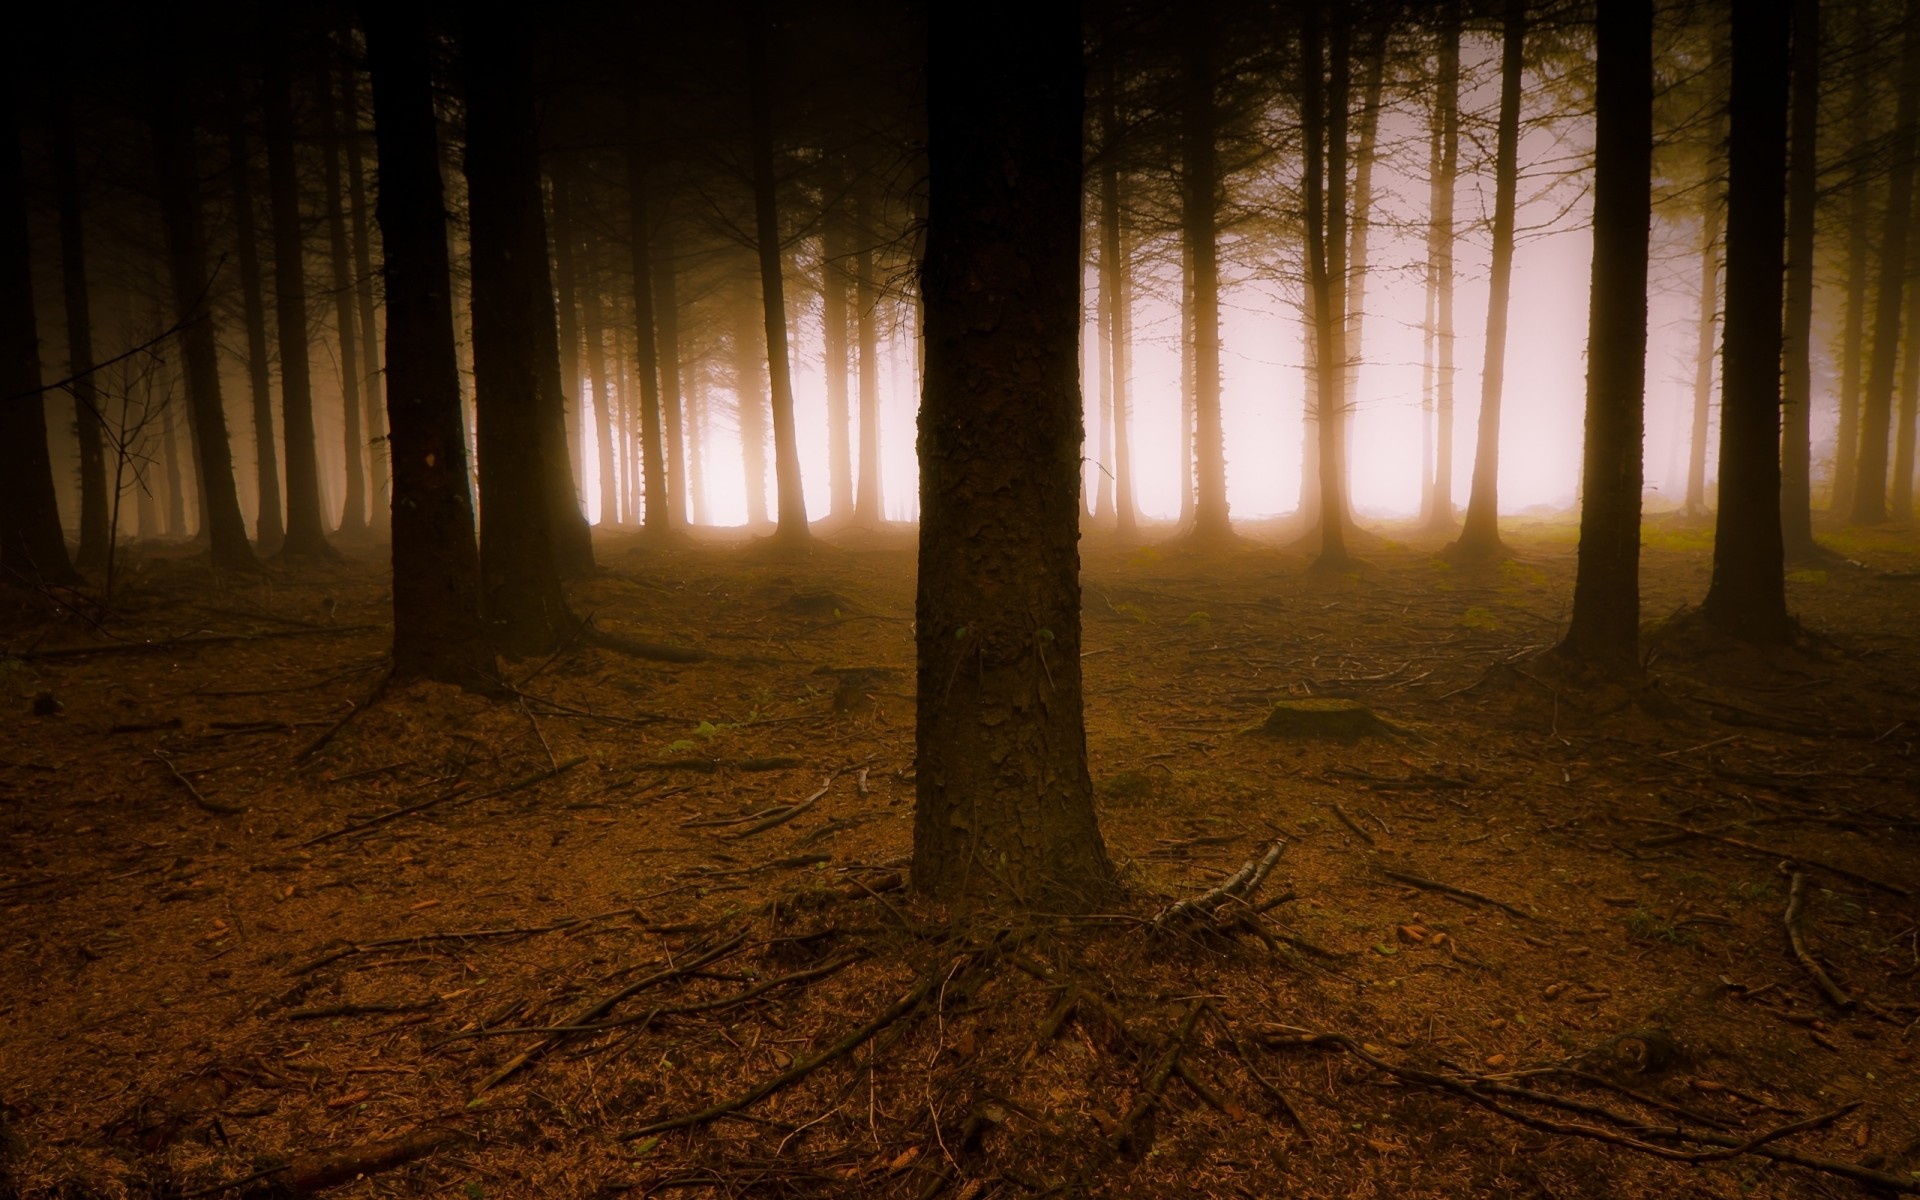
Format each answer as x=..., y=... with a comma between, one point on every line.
x=201, y=984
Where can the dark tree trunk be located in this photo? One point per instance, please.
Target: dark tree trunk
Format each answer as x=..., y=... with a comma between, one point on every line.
x=595, y=376
x=1359, y=230
x=833, y=320
x=696, y=453
x=176, y=477
x=526, y=610
x=791, y=499
x=666, y=324
x=1900, y=507
x=1860, y=106
x=1188, y=352
x=1005, y=804
x=1428, y=339
x=1870, y=473
x=1748, y=594
x=89, y=426
x=179, y=180
x=1480, y=530
x=437, y=630
x=374, y=430
x=32, y=546
x=1605, y=628
x=269, y=530
x=1199, y=227
x=657, y=511
x=306, y=528
x=749, y=366
x=1116, y=296
x=1803, y=169
x=866, y=501
x=1440, y=510
x=1323, y=120
x=1103, y=364
x=1703, y=358
x=353, y=517
x=568, y=312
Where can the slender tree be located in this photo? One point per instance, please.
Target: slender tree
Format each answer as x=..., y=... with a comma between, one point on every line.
x=866, y=299
x=353, y=517
x=374, y=429
x=1709, y=310
x=835, y=234
x=1199, y=227
x=1116, y=297
x=657, y=516
x=1605, y=628
x=437, y=630
x=1440, y=235
x=269, y=529
x=666, y=324
x=1748, y=594
x=1861, y=111
x=1323, y=123
x=749, y=383
x=1803, y=169
x=87, y=418
x=1004, y=802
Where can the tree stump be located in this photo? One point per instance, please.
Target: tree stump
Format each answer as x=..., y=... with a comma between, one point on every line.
x=1324, y=718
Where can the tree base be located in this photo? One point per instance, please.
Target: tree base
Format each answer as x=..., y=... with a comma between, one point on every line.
x=1325, y=718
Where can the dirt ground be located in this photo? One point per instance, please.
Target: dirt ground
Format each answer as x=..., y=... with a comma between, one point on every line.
x=469, y=947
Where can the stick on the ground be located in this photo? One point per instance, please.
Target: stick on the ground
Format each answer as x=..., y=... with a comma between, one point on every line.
x=326, y=735
x=1156, y=1081
x=788, y=813
x=206, y=805
x=517, y=785
x=310, y=1173
x=1346, y=819
x=1796, y=898
x=1755, y=848
x=1239, y=886
x=1434, y=885
x=204, y=639
x=799, y=1070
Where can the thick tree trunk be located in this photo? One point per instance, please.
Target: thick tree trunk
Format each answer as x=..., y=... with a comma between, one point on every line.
x=866, y=502
x=525, y=608
x=269, y=529
x=1748, y=594
x=32, y=546
x=1703, y=358
x=1860, y=106
x=1004, y=802
x=1323, y=124
x=353, y=518
x=1116, y=296
x=666, y=324
x=749, y=377
x=1480, y=531
x=1199, y=227
x=179, y=181
x=791, y=498
x=657, y=510
x=1605, y=628
x=306, y=527
x=1870, y=473
x=1440, y=509
x=1803, y=169
x=437, y=630
x=88, y=423
x=375, y=428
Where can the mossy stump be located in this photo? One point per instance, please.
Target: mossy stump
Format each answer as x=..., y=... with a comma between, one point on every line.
x=1324, y=718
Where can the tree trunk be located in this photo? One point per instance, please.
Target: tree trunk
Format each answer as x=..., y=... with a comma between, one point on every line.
x=89, y=426
x=646, y=361
x=269, y=529
x=353, y=518
x=568, y=311
x=594, y=376
x=866, y=502
x=306, y=528
x=1428, y=339
x=437, y=630
x=371, y=376
x=32, y=545
x=666, y=324
x=1605, y=628
x=1748, y=594
x=1480, y=531
x=1870, y=473
x=1199, y=226
x=696, y=450
x=834, y=249
x=749, y=366
x=1359, y=229
x=1901, y=507
x=1846, y=442
x=1440, y=233
x=1803, y=168
x=792, y=500
x=1116, y=297
x=1004, y=801
x=526, y=610
x=1188, y=353
x=179, y=182
x=177, y=526
x=1323, y=112
x=1703, y=358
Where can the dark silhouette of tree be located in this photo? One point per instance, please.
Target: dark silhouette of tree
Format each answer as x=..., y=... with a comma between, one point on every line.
x=1748, y=593
x=866, y=299
x=437, y=631
x=1323, y=117
x=1440, y=236
x=353, y=516
x=269, y=529
x=374, y=427
x=666, y=324
x=1005, y=804
x=89, y=428
x=1605, y=628
x=1116, y=303
x=1803, y=170
x=1862, y=111
x=657, y=515
x=1199, y=224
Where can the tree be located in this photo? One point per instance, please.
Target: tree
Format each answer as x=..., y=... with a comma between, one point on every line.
x=437, y=632
x=1199, y=227
x=1748, y=594
x=269, y=530
x=353, y=517
x=1480, y=530
x=657, y=514
x=1803, y=169
x=1605, y=628
x=1116, y=299
x=1004, y=801
x=95, y=544
x=866, y=298
x=31, y=543
x=1440, y=512
x=1323, y=121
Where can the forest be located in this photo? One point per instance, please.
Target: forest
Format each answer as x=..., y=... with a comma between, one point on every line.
x=960, y=601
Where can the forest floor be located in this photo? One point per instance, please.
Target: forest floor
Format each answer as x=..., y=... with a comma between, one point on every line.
x=250, y=950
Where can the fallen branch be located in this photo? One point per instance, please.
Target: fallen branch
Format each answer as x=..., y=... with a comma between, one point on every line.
x=458, y=935
x=1347, y=820
x=1434, y=885
x=359, y=1010
x=200, y=801
x=1771, y=852
x=1156, y=1081
x=1238, y=887
x=799, y=1070
x=517, y=785
x=788, y=813
x=310, y=1173
x=353, y=710
x=206, y=639
x=1796, y=898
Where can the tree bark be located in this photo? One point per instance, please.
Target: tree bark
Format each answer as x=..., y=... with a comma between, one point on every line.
x=1748, y=594
x=1004, y=802
x=269, y=528
x=353, y=517
x=834, y=238
x=656, y=509
x=1900, y=508
x=306, y=528
x=1440, y=509
x=1703, y=357
x=749, y=365
x=595, y=376
x=1480, y=531
x=89, y=426
x=1324, y=127
x=666, y=324
x=179, y=182
x=1870, y=473
x=437, y=630
x=371, y=376
x=1116, y=297
x=1360, y=227
x=1803, y=169
x=791, y=499
x=1860, y=106
x=1199, y=226
x=568, y=311
x=1605, y=627
x=867, y=498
